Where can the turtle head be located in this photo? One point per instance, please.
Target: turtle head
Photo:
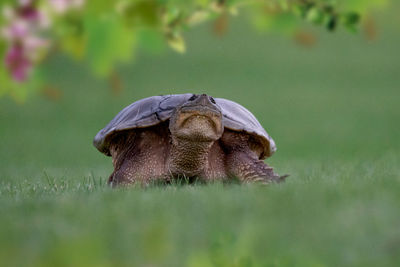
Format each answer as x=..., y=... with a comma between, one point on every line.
x=198, y=119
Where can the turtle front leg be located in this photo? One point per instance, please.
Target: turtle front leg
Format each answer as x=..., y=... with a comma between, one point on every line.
x=139, y=157
x=121, y=177
x=245, y=166
x=143, y=168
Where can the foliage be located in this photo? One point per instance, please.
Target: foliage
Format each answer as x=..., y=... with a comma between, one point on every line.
x=105, y=33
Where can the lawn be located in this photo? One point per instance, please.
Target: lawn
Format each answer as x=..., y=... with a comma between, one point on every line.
x=333, y=110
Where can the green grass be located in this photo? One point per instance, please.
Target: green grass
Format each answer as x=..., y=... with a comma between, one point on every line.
x=333, y=111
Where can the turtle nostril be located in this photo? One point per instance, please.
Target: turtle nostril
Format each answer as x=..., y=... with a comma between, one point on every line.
x=212, y=100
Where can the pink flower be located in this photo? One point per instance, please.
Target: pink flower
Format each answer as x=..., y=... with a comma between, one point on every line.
x=62, y=6
x=24, y=3
x=25, y=24
x=17, y=63
x=17, y=30
x=23, y=33
x=29, y=12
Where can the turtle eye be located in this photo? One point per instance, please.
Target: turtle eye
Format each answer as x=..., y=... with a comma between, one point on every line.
x=212, y=100
x=193, y=97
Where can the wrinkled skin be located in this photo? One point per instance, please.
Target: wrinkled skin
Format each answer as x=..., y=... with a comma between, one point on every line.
x=192, y=144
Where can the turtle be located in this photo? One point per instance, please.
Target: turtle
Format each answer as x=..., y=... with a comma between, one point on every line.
x=194, y=136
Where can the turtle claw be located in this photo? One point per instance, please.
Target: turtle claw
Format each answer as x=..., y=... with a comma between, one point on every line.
x=268, y=180
x=282, y=178
x=276, y=179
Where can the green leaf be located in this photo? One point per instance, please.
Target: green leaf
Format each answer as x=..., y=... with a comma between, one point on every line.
x=285, y=23
x=99, y=7
x=352, y=18
x=72, y=38
x=362, y=5
x=151, y=40
x=74, y=45
x=143, y=13
x=177, y=43
x=109, y=41
x=198, y=17
x=351, y=21
x=315, y=16
x=332, y=23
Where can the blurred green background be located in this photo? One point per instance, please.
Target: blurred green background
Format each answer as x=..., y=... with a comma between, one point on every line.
x=332, y=108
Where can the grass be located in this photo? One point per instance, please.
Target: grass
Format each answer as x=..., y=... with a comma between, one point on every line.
x=337, y=214
x=332, y=110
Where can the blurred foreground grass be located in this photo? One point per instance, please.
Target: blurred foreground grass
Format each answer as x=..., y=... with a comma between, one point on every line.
x=333, y=111
x=341, y=214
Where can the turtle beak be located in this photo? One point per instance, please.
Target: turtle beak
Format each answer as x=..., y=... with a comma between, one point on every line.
x=201, y=102
x=199, y=118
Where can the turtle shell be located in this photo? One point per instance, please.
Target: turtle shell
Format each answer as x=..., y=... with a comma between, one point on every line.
x=156, y=109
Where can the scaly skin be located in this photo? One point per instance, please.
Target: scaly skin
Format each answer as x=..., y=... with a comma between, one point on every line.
x=150, y=154
x=145, y=155
x=140, y=155
x=188, y=158
x=242, y=159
